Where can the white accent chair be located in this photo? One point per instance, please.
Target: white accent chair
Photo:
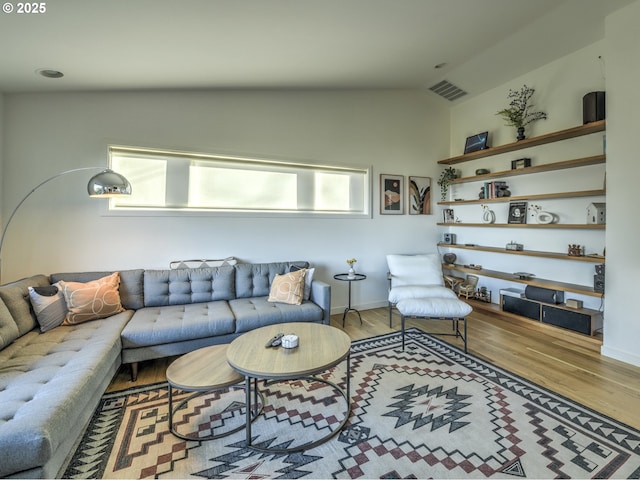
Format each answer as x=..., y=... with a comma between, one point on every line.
x=416, y=288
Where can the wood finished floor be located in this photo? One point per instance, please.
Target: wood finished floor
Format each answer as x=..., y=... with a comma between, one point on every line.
x=568, y=364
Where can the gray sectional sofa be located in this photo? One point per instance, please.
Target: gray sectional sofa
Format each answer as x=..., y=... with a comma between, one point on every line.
x=51, y=382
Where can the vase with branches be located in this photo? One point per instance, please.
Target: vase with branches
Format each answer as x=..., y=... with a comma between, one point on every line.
x=520, y=112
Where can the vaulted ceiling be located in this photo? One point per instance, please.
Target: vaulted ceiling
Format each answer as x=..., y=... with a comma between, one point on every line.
x=289, y=44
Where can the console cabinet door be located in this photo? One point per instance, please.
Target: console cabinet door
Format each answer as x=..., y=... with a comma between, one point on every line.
x=578, y=322
x=522, y=307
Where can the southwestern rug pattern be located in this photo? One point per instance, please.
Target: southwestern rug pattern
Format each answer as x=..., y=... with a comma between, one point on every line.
x=428, y=412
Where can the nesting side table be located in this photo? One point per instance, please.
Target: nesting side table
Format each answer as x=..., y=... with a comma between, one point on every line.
x=202, y=371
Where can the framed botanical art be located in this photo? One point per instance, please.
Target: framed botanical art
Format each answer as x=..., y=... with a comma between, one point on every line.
x=419, y=190
x=391, y=194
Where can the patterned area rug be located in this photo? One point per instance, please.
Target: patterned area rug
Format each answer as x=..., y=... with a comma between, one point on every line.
x=428, y=412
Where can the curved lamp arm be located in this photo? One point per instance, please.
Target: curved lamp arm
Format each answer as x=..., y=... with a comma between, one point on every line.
x=117, y=185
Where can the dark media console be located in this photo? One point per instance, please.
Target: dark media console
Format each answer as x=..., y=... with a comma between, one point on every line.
x=581, y=320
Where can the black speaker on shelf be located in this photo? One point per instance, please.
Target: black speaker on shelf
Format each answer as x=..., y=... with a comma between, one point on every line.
x=598, y=279
x=593, y=107
x=545, y=295
x=598, y=283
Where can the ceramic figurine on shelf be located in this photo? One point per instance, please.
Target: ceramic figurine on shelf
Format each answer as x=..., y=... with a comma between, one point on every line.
x=575, y=250
x=488, y=216
x=542, y=217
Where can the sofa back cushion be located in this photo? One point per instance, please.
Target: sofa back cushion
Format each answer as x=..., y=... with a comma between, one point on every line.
x=189, y=285
x=15, y=296
x=8, y=328
x=254, y=279
x=131, y=290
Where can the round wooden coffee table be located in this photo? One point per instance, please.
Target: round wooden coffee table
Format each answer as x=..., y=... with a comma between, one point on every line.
x=320, y=348
x=203, y=371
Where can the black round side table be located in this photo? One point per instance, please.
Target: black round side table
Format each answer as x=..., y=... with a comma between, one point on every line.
x=344, y=277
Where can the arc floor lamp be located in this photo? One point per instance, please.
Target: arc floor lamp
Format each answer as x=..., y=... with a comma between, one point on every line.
x=107, y=183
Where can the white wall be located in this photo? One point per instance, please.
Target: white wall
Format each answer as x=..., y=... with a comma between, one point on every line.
x=60, y=229
x=622, y=332
x=560, y=86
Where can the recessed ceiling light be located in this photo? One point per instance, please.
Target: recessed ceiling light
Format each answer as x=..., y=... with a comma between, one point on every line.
x=50, y=73
x=440, y=65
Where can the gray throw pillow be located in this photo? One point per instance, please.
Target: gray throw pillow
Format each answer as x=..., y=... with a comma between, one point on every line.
x=49, y=306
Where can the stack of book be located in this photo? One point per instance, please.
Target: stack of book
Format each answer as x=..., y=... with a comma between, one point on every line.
x=494, y=190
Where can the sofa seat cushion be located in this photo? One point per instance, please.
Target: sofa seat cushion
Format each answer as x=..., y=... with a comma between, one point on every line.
x=256, y=312
x=404, y=292
x=178, y=323
x=46, y=379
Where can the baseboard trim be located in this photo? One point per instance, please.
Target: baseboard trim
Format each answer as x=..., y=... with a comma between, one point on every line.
x=620, y=355
x=362, y=306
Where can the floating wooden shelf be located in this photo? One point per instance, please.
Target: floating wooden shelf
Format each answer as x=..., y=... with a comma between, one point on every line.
x=575, y=226
x=547, y=167
x=538, y=282
x=574, y=132
x=529, y=253
x=538, y=196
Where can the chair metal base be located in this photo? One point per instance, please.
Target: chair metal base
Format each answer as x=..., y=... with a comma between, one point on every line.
x=455, y=327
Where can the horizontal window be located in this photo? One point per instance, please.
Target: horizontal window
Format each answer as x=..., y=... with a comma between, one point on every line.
x=194, y=182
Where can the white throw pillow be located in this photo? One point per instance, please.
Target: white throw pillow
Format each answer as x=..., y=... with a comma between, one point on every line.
x=308, y=278
x=415, y=269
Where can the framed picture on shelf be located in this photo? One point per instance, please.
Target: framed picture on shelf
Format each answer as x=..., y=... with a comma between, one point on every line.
x=391, y=194
x=419, y=195
x=448, y=215
x=476, y=142
x=517, y=212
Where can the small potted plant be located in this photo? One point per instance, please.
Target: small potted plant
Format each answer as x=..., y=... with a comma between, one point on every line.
x=518, y=114
x=447, y=176
x=352, y=272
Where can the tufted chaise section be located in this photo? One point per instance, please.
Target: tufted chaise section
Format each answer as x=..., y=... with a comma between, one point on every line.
x=47, y=379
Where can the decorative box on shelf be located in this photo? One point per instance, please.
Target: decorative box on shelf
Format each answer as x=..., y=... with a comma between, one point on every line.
x=514, y=246
x=483, y=294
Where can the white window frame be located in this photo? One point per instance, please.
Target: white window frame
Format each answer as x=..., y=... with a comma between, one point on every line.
x=180, y=163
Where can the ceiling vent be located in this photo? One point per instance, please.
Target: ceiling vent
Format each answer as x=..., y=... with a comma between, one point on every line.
x=448, y=90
